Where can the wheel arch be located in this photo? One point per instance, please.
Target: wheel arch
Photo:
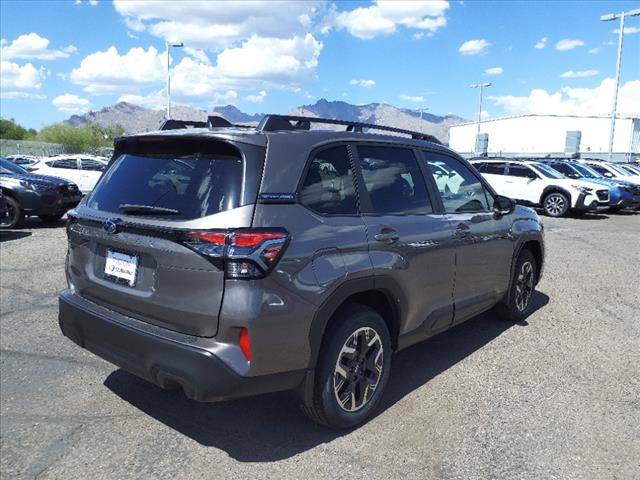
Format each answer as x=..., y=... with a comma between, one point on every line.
x=555, y=189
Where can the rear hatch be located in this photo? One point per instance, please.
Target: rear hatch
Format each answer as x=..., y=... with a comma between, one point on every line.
x=130, y=243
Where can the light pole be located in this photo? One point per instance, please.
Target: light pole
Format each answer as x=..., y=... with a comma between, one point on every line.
x=608, y=18
x=168, y=46
x=421, y=110
x=481, y=86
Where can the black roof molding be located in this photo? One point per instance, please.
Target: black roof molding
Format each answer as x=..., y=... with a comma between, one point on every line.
x=274, y=123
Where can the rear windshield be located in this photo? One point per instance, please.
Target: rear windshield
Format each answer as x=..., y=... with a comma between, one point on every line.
x=176, y=186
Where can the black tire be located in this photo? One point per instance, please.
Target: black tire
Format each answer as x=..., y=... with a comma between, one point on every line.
x=518, y=305
x=556, y=204
x=14, y=218
x=354, y=325
x=51, y=218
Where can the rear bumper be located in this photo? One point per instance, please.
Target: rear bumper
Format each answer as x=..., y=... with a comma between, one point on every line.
x=167, y=359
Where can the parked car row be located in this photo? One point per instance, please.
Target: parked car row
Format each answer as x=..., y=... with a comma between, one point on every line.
x=26, y=194
x=560, y=186
x=83, y=170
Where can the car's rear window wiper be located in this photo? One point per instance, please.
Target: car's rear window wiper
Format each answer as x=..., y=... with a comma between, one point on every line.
x=147, y=209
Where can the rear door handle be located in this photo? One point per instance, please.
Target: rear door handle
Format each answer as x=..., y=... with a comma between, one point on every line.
x=387, y=235
x=462, y=230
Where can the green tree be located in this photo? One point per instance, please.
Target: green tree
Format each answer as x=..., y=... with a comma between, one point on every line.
x=11, y=130
x=80, y=139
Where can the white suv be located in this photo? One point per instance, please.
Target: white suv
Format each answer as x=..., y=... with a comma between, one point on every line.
x=83, y=170
x=537, y=185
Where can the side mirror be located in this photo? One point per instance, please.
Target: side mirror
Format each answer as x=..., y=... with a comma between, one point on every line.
x=503, y=205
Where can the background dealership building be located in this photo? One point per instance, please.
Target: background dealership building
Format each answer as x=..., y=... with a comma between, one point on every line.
x=549, y=135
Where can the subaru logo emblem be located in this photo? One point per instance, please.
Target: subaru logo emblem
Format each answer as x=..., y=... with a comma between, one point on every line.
x=110, y=226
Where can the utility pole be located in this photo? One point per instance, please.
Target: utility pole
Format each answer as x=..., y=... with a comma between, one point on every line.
x=607, y=18
x=481, y=86
x=168, y=46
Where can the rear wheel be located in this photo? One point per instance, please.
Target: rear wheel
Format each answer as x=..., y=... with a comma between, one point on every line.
x=556, y=204
x=14, y=217
x=51, y=218
x=517, y=306
x=353, y=369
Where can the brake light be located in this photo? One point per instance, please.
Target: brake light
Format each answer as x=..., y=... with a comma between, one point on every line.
x=244, y=344
x=245, y=254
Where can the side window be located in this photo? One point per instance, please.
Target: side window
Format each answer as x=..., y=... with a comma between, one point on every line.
x=565, y=170
x=89, y=164
x=494, y=168
x=67, y=163
x=460, y=189
x=393, y=180
x=328, y=187
x=517, y=170
x=602, y=170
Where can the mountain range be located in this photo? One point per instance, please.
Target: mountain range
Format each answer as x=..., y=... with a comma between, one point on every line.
x=135, y=118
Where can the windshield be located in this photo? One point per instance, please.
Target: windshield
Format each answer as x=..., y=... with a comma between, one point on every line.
x=629, y=170
x=586, y=171
x=619, y=170
x=546, y=170
x=187, y=186
x=8, y=168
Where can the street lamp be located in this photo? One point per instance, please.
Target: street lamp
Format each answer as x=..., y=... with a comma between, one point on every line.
x=421, y=110
x=168, y=46
x=481, y=86
x=608, y=18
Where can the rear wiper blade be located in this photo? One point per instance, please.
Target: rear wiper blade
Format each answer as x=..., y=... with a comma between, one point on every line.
x=147, y=209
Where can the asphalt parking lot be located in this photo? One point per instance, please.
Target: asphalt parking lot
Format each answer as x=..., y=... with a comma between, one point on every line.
x=555, y=397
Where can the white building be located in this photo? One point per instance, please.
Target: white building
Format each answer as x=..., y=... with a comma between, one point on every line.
x=540, y=135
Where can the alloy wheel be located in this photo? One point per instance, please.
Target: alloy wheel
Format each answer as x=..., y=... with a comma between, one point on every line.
x=554, y=205
x=8, y=218
x=524, y=286
x=358, y=369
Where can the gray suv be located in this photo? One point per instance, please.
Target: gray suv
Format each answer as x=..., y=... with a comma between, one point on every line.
x=230, y=261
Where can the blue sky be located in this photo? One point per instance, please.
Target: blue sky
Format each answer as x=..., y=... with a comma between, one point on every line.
x=64, y=57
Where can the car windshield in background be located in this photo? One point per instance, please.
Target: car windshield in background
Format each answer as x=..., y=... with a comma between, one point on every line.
x=8, y=168
x=619, y=170
x=586, y=171
x=546, y=170
x=190, y=187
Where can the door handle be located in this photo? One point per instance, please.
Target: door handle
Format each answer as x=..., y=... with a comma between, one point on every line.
x=387, y=235
x=462, y=230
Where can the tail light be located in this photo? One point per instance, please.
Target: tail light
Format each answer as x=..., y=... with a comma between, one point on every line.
x=32, y=169
x=245, y=254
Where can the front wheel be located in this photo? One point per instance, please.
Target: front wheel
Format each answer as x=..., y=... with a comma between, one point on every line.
x=517, y=306
x=556, y=204
x=14, y=216
x=353, y=369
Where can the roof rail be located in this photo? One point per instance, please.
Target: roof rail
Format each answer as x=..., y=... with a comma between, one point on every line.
x=273, y=123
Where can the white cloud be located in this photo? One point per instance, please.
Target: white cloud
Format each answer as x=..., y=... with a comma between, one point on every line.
x=542, y=43
x=412, y=98
x=568, y=44
x=33, y=46
x=93, y=3
x=213, y=26
x=474, y=47
x=271, y=59
x=484, y=114
x=582, y=74
x=69, y=103
x=593, y=51
x=155, y=101
x=362, y=83
x=20, y=81
x=257, y=98
x=494, y=71
x=384, y=17
x=627, y=30
x=110, y=72
x=575, y=101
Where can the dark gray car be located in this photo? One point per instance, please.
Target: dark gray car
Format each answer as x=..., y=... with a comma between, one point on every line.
x=235, y=261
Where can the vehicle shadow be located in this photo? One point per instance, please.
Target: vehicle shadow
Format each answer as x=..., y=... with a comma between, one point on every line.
x=272, y=427
x=36, y=223
x=623, y=213
x=7, y=235
x=590, y=216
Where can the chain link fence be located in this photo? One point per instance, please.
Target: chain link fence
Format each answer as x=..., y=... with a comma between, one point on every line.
x=42, y=149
